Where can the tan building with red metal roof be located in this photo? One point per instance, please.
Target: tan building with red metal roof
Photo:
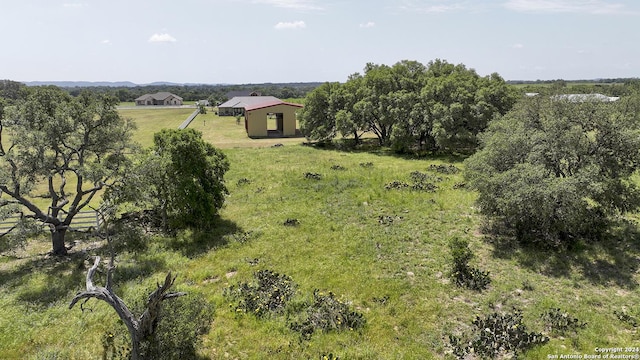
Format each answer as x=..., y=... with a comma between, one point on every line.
x=257, y=110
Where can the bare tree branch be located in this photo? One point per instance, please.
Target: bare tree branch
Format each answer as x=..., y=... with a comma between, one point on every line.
x=92, y=270
x=138, y=328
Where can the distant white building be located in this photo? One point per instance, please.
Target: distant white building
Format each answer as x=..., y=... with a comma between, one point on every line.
x=585, y=97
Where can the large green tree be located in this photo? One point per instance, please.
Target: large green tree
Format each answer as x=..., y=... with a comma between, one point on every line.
x=554, y=171
x=409, y=106
x=318, y=117
x=459, y=104
x=378, y=99
x=12, y=90
x=181, y=177
x=61, y=148
x=350, y=122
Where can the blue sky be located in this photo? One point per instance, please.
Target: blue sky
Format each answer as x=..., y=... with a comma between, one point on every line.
x=255, y=41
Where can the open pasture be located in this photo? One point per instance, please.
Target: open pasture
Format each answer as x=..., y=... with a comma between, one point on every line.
x=379, y=246
x=222, y=131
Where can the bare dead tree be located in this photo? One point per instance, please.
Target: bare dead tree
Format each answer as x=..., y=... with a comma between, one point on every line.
x=139, y=328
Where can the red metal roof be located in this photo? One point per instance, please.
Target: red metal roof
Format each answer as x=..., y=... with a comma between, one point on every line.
x=270, y=104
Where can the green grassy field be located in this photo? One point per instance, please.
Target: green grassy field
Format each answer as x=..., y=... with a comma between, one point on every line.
x=223, y=131
x=382, y=251
x=152, y=120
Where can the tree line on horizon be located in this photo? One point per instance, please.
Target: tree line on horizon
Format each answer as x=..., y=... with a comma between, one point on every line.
x=216, y=94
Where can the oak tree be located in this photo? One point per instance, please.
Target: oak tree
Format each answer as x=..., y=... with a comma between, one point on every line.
x=555, y=171
x=318, y=117
x=63, y=149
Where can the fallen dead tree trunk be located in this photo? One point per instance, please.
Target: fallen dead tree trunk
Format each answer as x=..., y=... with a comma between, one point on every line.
x=139, y=328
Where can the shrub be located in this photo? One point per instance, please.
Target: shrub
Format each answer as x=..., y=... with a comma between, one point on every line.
x=459, y=185
x=463, y=274
x=338, y=167
x=178, y=333
x=116, y=346
x=560, y=322
x=496, y=335
x=177, y=336
x=418, y=176
x=326, y=313
x=444, y=169
x=243, y=181
x=388, y=220
x=312, y=176
x=420, y=183
x=187, y=177
x=149, y=221
x=383, y=300
x=626, y=318
x=181, y=179
x=269, y=294
x=396, y=185
x=427, y=187
x=291, y=222
x=131, y=236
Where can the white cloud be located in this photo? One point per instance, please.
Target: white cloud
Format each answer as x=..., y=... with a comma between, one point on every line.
x=290, y=25
x=367, y=25
x=517, y=46
x=291, y=4
x=106, y=42
x=567, y=6
x=162, y=38
x=74, y=5
x=438, y=6
x=442, y=8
